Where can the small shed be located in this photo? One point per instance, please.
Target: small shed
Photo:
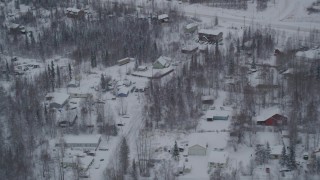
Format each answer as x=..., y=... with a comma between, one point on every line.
x=123, y=92
x=162, y=62
x=75, y=13
x=142, y=68
x=207, y=100
x=217, y=114
x=276, y=151
x=210, y=35
x=191, y=28
x=163, y=18
x=189, y=49
x=217, y=159
x=56, y=100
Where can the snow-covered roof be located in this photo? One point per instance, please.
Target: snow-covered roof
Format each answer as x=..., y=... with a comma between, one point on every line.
x=77, y=91
x=288, y=71
x=217, y=112
x=57, y=97
x=163, y=16
x=197, y=139
x=267, y=113
x=191, y=25
x=123, y=90
x=190, y=47
x=206, y=98
x=142, y=67
x=74, y=10
x=276, y=150
x=218, y=157
x=310, y=54
x=82, y=139
x=163, y=60
x=209, y=31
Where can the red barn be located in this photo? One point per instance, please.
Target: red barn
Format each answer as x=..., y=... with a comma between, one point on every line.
x=274, y=120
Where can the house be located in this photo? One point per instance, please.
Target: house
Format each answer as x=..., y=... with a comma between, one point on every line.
x=83, y=163
x=15, y=28
x=73, y=84
x=123, y=92
x=142, y=68
x=75, y=13
x=197, y=146
x=217, y=114
x=56, y=99
x=276, y=151
x=162, y=62
x=80, y=141
x=209, y=35
x=184, y=167
x=217, y=159
x=191, y=28
x=274, y=120
x=78, y=93
x=163, y=18
x=189, y=49
x=208, y=100
x=123, y=61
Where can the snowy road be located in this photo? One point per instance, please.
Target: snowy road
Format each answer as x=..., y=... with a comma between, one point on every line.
x=242, y=20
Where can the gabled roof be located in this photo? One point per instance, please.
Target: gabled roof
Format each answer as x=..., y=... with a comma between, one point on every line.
x=57, y=97
x=82, y=139
x=191, y=25
x=210, y=31
x=163, y=16
x=163, y=60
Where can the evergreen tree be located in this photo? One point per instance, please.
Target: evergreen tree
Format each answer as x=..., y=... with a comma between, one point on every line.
x=260, y=154
x=283, y=158
x=253, y=65
x=175, y=153
x=70, y=71
x=93, y=60
x=292, y=159
x=103, y=82
x=318, y=72
x=216, y=21
x=268, y=152
x=134, y=172
x=58, y=76
x=124, y=155
x=106, y=58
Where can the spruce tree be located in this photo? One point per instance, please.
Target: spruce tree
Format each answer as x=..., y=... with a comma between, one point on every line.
x=268, y=152
x=70, y=72
x=103, y=82
x=292, y=159
x=58, y=76
x=175, y=153
x=134, y=172
x=124, y=155
x=283, y=158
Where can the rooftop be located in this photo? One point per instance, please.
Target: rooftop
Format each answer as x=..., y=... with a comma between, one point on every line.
x=163, y=16
x=82, y=139
x=57, y=97
x=210, y=31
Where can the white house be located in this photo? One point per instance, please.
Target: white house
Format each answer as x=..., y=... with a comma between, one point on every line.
x=56, y=99
x=276, y=151
x=197, y=146
x=217, y=114
x=81, y=141
x=217, y=159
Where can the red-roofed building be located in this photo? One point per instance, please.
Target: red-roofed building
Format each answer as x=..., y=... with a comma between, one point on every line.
x=274, y=120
